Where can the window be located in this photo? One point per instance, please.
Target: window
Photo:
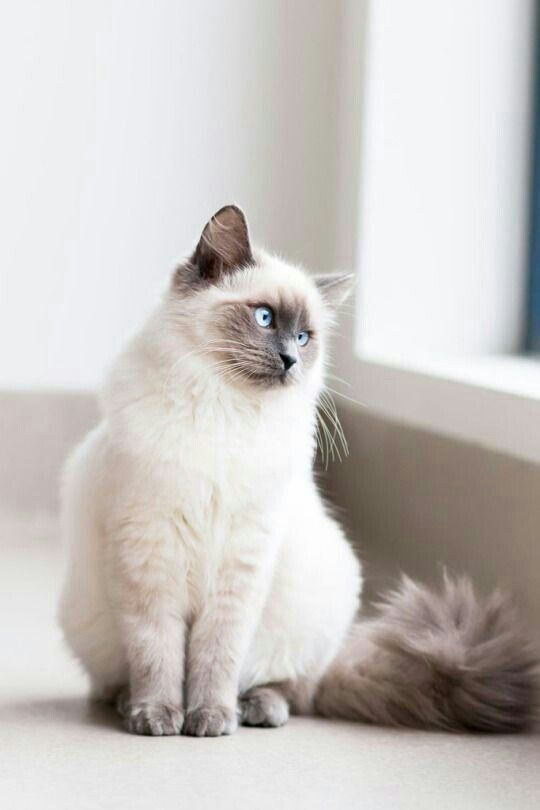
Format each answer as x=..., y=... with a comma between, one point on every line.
x=444, y=237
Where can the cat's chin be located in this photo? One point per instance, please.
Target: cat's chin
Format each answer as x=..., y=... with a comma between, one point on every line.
x=266, y=382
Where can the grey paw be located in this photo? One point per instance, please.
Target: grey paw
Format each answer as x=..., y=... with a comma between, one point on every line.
x=210, y=721
x=152, y=719
x=263, y=706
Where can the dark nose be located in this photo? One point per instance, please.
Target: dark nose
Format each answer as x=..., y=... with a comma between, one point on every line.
x=288, y=361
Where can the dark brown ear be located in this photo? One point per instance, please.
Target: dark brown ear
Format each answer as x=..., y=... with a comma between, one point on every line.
x=224, y=244
x=335, y=288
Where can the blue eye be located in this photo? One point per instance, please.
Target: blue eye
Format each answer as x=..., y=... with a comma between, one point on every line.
x=302, y=338
x=264, y=316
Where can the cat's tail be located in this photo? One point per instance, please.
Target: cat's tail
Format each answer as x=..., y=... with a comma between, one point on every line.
x=436, y=660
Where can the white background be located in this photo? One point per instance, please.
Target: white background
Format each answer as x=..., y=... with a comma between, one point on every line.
x=127, y=123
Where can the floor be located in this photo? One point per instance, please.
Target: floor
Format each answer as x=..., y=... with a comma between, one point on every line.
x=58, y=751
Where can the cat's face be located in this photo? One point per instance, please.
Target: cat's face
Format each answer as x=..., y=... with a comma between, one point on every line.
x=252, y=319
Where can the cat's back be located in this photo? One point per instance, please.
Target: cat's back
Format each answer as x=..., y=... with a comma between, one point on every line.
x=82, y=476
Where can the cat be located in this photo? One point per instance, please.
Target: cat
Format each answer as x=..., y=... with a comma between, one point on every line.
x=207, y=582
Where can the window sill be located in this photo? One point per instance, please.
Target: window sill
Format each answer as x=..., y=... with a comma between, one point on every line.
x=492, y=400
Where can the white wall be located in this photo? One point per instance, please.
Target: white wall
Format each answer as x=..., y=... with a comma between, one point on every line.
x=443, y=246
x=125, y=124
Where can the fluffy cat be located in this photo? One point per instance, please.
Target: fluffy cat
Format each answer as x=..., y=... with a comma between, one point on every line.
x=207, y=582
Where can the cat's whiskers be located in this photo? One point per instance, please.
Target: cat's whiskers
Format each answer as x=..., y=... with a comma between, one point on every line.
x=327, y=440
x=199, y=352
x=329, y=407
x=345, y=396
x=338, y=379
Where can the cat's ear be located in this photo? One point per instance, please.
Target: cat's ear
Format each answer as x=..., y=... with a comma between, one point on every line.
x=335, y=288
x=224, y=244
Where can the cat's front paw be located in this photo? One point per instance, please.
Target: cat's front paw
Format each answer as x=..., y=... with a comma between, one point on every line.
x=152, y=719
x=210, y=721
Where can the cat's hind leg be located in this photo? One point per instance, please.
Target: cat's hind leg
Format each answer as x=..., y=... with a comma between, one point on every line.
x=311, y=605
x=90, y=632
x=265, y=706
x=85, y=613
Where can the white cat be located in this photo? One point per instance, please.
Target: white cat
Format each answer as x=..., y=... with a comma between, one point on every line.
x=207, y=581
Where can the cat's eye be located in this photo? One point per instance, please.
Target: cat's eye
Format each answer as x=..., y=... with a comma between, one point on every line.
x=302, y=338
x=264, y=316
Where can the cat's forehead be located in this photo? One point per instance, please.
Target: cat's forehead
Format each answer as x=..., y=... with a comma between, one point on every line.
x=284, y=287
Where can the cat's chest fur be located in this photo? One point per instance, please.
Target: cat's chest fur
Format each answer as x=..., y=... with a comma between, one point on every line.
x=215, y=473
x=208, y=453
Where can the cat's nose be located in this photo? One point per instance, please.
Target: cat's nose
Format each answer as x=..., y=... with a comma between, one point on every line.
x=288, y=360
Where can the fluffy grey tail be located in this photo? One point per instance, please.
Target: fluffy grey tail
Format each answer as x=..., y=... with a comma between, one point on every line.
x=436, y=660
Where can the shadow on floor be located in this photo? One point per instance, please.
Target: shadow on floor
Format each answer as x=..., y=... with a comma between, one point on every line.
x=73, y=711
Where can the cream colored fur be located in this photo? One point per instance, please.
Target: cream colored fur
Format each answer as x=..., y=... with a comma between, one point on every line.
x=207, y=582
x=202, y=560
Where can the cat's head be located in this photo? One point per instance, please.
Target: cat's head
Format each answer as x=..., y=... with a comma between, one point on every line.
x=249, y=317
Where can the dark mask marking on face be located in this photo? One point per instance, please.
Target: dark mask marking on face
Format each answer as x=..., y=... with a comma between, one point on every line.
x=265, y=356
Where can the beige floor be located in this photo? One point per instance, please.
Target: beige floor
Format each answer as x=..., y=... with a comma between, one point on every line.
x=57, y=751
